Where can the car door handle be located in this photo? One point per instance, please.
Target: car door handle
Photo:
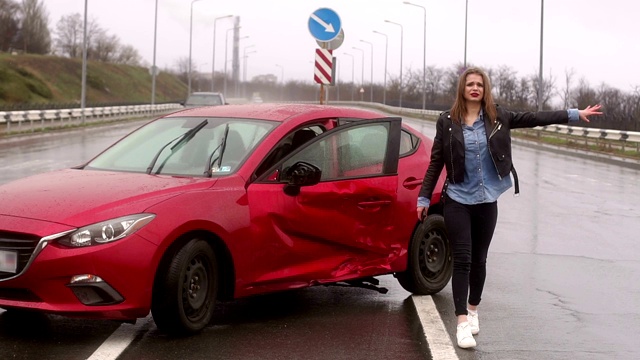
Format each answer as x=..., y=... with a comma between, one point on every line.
x=411, y=183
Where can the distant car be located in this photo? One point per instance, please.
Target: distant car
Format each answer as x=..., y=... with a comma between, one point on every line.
x=256, y=98
x=220, y=203
x=205, y=99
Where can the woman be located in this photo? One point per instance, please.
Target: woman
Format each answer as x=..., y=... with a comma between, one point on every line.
x=473, y=142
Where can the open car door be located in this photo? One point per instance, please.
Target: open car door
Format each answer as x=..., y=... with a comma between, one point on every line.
x=327, y=212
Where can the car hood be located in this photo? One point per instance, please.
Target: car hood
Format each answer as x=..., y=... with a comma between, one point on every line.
x=79, y=197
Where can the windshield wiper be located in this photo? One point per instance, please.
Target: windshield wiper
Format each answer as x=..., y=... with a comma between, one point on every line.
x=182, y=139
x=222, y=146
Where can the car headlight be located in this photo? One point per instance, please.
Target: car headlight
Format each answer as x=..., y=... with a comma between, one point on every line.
x=106, y=231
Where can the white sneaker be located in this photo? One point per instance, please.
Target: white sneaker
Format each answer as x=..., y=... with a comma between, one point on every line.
x=474, y=323
x=464, y=336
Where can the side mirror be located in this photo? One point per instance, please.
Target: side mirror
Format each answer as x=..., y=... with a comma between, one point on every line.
x=301, y=174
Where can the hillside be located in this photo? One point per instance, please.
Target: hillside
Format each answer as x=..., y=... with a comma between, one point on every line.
x=48, y=79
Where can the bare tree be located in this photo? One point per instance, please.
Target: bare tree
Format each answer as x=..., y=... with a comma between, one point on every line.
x=584, y=94
x=100, y=45
x=634, y=109
x=566, y=92
x=548, y=89
x=505, y=85
x=434, y=83
x=128, y=55
x=34, y=36
x=522, y=95
x=412, y=87
x=104, y=46
x=613, y=100
x=182, y=65
x=8, y=24
x=69, y=33
x=450, y=83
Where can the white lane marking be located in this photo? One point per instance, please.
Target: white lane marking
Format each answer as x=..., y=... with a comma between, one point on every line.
x=120, y=340
x=434, y=331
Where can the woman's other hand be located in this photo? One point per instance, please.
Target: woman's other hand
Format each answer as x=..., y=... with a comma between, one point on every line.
x=589, y=111
x=422, y=212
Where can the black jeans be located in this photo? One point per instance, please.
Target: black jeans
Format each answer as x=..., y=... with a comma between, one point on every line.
x=470, y=229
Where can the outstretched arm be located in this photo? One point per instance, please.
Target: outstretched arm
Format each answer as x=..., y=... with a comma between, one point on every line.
x=589, y=111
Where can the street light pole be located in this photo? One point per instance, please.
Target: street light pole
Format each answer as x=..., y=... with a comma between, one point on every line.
x=226, y=48
x=401, y=46
x=540, y=73
x=361, y=76
x=281, y=79
x=244, y=72
x=424, y=55
x=153, y=68
x=190, y=47
x=352, y=73
x=386, y=48
x=244, y=69
x=83, y=97
x=466, y=12
x=213, y=61
x=371, y=44
x=239, y=80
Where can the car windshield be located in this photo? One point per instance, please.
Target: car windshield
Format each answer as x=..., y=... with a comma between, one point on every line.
x=161, y=146
x=204, y=99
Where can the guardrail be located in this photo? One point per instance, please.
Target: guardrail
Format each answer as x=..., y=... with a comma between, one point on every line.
x=604, y=138
x=17, y=121
x=31, y=120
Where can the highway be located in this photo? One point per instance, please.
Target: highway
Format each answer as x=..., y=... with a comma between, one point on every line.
x=561, y=281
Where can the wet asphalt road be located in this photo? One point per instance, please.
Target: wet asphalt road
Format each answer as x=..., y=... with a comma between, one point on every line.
x=561, y=280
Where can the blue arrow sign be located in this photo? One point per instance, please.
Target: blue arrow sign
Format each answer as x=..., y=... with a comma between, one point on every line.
x=324, y=24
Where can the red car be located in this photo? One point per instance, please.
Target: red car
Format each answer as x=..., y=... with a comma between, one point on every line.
x=218, y=203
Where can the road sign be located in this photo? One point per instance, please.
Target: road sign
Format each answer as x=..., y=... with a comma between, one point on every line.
x=333, y=44
x=324, y=24
x=324, y=69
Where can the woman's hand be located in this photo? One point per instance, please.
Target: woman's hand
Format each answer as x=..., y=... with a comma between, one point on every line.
x=422, y=212
x=588, y=111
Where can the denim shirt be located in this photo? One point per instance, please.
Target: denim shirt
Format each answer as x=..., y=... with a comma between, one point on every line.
x=481, y=182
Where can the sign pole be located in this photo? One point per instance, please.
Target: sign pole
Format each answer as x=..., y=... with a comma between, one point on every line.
x=322, y=99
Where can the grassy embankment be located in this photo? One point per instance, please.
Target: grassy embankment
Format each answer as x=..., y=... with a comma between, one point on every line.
x=50, y=79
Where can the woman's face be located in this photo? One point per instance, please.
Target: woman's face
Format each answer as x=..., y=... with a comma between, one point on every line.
x=474, y=88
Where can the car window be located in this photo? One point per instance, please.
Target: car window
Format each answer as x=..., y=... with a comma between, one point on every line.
x=408, y=142
x=356, y=151
x=287, y=145
x=160, y=139
x=204, y=100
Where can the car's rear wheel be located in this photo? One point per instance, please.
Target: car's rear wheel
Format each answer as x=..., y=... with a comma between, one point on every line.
x=185, y=292
x=430, y=262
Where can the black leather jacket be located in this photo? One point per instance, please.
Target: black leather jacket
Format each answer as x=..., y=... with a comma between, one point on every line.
x=448, y=144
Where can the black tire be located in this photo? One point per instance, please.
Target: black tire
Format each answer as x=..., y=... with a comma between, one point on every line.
x=184, y=294
x=430, y=263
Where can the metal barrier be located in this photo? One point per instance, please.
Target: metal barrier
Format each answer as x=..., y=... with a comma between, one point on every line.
x=18, y=121
x=32, y=119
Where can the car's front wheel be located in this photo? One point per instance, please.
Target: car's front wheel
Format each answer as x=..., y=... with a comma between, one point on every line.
x=184, y=293
x=430, y=263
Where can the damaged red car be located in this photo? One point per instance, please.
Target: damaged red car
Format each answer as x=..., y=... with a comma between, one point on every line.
x=218, y=203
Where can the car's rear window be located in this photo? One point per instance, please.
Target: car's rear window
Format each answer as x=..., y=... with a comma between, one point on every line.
x=204, y=99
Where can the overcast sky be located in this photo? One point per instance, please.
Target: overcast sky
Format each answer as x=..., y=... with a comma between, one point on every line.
x=597, y=39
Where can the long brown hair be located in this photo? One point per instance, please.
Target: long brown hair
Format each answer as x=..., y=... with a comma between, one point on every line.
x=459, y=108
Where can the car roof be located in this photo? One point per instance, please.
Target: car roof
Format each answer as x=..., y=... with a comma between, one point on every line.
x=278, y=112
